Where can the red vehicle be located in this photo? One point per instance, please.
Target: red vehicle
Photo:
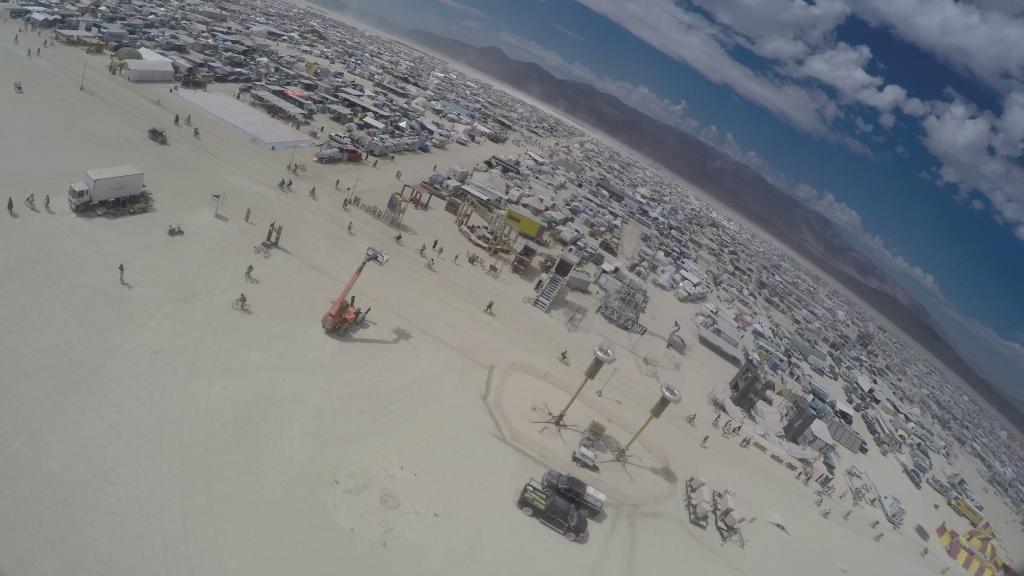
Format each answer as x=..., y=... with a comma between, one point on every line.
x=343, y=312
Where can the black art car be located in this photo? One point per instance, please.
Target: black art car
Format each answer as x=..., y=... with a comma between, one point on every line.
x=553, y=510
x=589, y=500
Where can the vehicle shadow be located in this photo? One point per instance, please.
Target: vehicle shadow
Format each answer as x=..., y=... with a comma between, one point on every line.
x=400, y=335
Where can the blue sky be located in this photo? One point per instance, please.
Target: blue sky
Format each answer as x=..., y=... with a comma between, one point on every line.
x=901, y=120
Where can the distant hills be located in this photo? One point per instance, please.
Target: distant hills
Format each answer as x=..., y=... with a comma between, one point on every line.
x=734, y=184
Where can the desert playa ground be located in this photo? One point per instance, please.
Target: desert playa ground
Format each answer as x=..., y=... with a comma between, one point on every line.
x=149, y=428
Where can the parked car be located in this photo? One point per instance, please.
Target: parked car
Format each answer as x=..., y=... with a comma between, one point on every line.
x=553, y=510
x=915, y=477
x=938, y=485
x=588, y=499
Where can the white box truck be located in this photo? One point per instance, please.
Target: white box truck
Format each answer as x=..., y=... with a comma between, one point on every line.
x=105, y=185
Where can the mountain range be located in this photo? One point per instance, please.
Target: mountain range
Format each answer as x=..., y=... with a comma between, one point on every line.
x=733, y=183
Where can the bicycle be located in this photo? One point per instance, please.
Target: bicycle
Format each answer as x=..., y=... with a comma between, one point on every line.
x=241, y=306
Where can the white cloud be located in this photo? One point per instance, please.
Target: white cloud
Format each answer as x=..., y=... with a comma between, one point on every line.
x=463, y=8
x=974, y=150
x=640, y=97
x=898, y=262
x=977, y=151
x=730, y=146
x=1008, y=364
x=839, y=212
x=826, y=204
x=844, y=68
x=797, y=34
x=769, y=21
x=841, y=67
x=569, y=33
x=777, y=48
x=1010, y=140
x=805, y=191
x=981, y=43
x=914, y=107
x=689, y=38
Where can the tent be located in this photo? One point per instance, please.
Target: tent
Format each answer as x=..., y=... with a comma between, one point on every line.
x=150, y=70
x=974, y=551
x=128, y=54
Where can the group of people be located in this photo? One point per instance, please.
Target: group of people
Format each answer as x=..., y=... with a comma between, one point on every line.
x=188, y=122
x=30, y=203
x=18, y=89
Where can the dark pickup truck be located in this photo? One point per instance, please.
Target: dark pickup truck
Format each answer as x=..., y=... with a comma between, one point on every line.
x=553, y=510
x=588, y=499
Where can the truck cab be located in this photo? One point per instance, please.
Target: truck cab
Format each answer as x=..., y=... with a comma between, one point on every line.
x=588, y=499
x=78, y=195
x=553, y=510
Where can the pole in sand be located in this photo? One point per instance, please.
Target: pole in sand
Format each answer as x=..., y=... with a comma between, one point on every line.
x=602, y=355
x=669, y=395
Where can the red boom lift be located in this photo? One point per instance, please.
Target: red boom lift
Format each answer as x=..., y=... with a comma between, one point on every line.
x=342, y=312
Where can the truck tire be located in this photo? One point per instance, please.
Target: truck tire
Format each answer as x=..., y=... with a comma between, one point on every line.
x=526, y=510
x=570, y=536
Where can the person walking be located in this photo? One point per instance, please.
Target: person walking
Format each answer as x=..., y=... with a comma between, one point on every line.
x=490, y=307
x=704, y=442
x=46, y=203
x=10, y=206
x=248, y=213
x=440, y=251
x=337, y=183
x=248, y=273
x=435, y=168
x=456, y=259
x=312, y=192
x=120, y=269
x=434, y=245
x=423, y=249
